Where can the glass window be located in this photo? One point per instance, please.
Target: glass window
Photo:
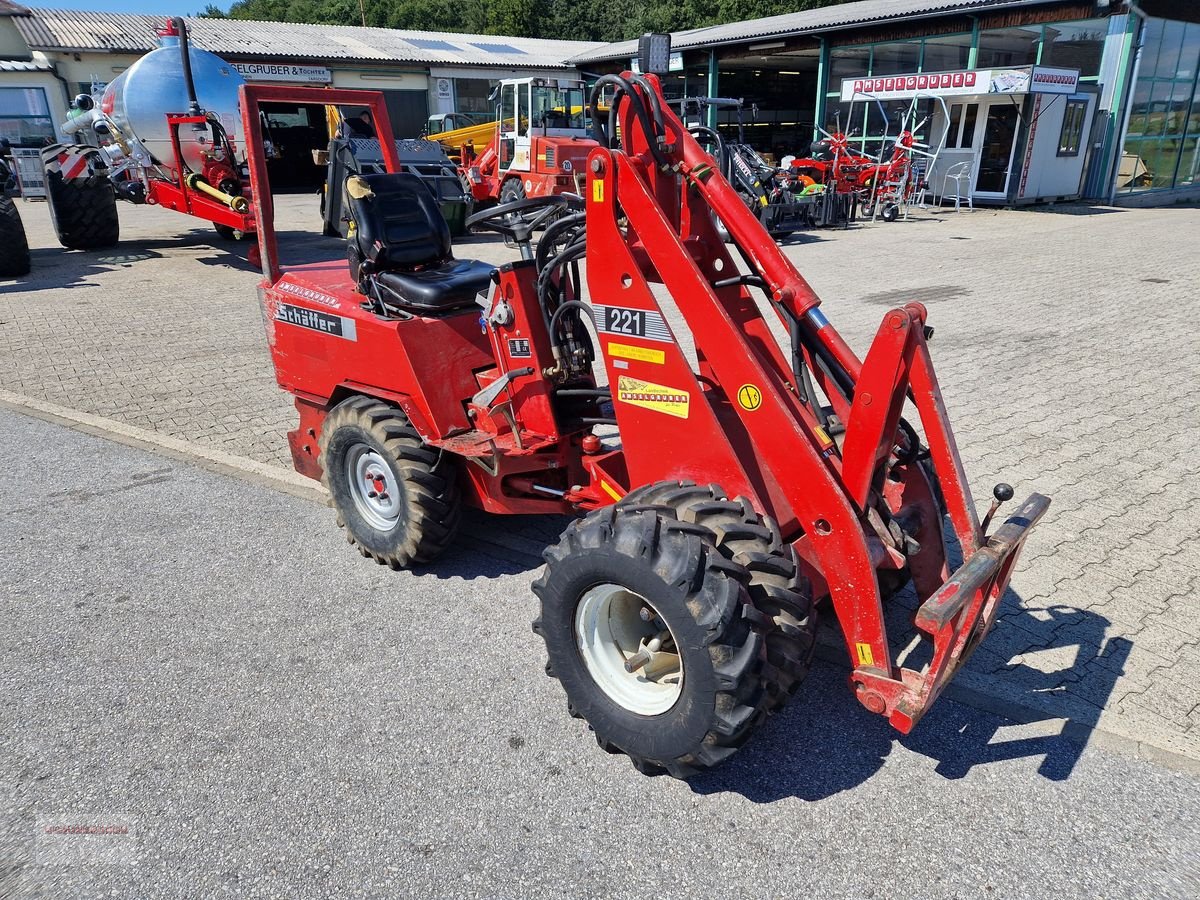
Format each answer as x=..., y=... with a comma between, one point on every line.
x=1071, y=135
x=946, y=54
x=1189, y=165
x=1075, y=45
x=1189, y=57
x=956, y=111
x=1161, y=144
x=508, y=106
x=25, y=117
x=1166, y=63
x=1140, y=107
x=848, y=62
x=473, y=96
x=968, y=129
x=554, y=107
x=896, y=58
x=1008, y=47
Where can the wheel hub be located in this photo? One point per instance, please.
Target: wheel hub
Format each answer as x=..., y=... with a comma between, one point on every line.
x=628, y=650
x=373, y=487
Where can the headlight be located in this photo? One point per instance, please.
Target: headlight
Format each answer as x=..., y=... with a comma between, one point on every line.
x=566, y=165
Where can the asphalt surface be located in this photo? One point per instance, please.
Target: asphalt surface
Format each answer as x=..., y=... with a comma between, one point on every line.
x=205, y=663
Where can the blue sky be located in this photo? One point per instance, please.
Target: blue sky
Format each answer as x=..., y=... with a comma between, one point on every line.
x=156, y=7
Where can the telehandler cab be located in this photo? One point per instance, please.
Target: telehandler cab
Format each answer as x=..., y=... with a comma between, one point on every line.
x=730, y=494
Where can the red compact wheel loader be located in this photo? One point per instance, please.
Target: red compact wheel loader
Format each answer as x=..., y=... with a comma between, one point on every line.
x=724, y=498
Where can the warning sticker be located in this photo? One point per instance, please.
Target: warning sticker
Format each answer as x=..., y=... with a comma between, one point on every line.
x=865, y=656
x=750, y=397
x=657, y=397
x=598, y=190
x=642, y=354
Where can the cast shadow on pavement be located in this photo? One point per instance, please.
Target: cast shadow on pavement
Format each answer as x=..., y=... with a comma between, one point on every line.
x=57, y=267
x=824, y=742
x=491, y=546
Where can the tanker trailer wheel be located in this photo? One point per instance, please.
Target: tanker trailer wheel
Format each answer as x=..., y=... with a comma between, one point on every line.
x=229, y=233
x=775, y=584
x=14, y=247
x=83, y=211
x=395, y=496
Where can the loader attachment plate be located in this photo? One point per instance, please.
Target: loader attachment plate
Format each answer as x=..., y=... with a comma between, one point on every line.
x=956, y=617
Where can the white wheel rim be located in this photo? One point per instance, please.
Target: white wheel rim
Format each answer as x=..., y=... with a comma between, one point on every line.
x=609, y=629
x=373, y=487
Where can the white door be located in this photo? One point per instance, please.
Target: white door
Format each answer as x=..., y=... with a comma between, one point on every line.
x=514, y=127
x=995, y=144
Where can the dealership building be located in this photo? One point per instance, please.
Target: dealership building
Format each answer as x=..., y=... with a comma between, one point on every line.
x=47, y=56
x=1036, y=99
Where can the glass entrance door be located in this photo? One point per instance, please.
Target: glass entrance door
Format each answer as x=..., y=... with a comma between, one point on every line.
x=996, y=149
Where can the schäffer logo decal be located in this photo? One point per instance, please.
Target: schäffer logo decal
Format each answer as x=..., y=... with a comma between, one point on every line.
x=315, y=320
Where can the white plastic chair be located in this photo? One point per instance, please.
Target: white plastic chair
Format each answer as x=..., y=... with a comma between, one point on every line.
x=958, y=173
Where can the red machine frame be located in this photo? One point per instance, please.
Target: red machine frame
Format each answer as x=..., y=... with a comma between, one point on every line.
x=740, y=421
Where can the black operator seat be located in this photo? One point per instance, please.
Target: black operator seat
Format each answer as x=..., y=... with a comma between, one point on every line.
x=401, y=244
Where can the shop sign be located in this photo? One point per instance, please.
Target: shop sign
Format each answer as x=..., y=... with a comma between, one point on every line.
x=443, y=89
x=1037, y=79
x=1054, y=81
x=277, y=72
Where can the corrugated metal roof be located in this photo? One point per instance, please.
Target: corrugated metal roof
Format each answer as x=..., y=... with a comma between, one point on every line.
x=71, y=30
x=17, y=65
x=807, y=21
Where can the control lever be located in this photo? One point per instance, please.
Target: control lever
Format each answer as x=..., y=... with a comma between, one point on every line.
x=485, y=398
x=1002, y=494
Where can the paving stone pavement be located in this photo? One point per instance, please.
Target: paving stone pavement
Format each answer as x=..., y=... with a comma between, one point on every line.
x=1066, y=349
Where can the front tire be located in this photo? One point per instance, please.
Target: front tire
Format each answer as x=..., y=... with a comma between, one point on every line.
x=512, y=190
x=396, y=497
x=621, y=578
x=775, y=585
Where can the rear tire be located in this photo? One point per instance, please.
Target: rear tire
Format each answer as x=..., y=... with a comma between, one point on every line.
x=83, y=211
x=228, y=233
x=14, y=246
x=606, y=568
x=395, y=496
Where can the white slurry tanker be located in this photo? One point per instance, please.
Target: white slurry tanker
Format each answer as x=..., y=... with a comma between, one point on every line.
x=164, y=132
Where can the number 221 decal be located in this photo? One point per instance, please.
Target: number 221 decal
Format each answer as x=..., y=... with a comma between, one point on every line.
x=643, y=323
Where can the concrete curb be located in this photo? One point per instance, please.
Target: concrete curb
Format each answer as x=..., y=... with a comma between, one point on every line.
x=828, y=650
x=209, y=458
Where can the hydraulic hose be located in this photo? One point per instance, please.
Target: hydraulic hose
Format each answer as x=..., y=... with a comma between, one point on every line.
x=625, y=87
x=551, y=234
x=186, y=60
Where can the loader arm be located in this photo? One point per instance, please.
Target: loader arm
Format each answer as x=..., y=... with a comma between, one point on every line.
x=748, y=421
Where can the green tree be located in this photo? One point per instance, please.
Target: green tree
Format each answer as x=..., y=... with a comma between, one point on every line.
x=583, y=20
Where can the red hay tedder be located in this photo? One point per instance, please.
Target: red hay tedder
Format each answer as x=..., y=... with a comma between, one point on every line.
x=723, y=502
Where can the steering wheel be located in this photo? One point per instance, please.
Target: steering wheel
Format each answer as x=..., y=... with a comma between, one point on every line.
x=510, y=219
